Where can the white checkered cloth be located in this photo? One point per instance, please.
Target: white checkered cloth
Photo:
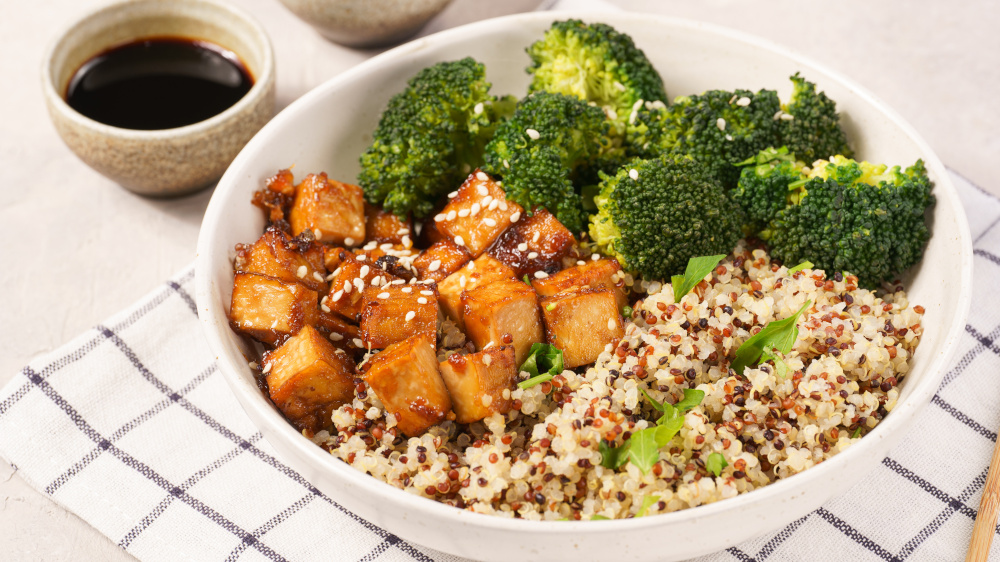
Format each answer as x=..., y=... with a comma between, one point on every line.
x=132, y=427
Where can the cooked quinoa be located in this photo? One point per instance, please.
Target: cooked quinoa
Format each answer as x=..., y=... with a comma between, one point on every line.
x=541, y=460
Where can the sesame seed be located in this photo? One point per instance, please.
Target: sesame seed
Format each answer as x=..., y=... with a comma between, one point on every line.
x=611, y=323
x=493, y=205
x=487, y=360
x=376, y=281
x=516, y=216
x=632, y=117
x=362, y=257
x=347, y=286
x=489, y=222
x=383, y=295
x=471, y=266
x=407, y=289
x=451, y=215
x=317, y=233
x=541, y=275
x=787, y=117
x=503, y=205
x=636, y=105
x=335, y=336
x=581, y=262
x=274, y=324
x=370, y=246
x=533, y=134
x=460, y=241
x=478, y=108
x=729, y=137
x=422, y=300
x=461, y=282
x=777, y=115
x=364, y=270
x=318, y=276
x=410, y=315
x=720, y=123
x=481, y=176
x=406, y=241
x=453, y=195
x=732, y=99
x=595, y=257
x=337, y=295
x=522, y=247
x=252, y=364
x=619, y=86
x=608, y=348
x=402, y=231
x=463, y=213
x=532, y=255
x=398, y=282
x=386, y=246
x=486, y=201
x=634, y=174
x=475, y=208
x=439, y=217
x=349, y=241
x=506, y=164
x=434, y=266
x=359, y=285
x=611, y=113
x=486, y=400
x=535, y=237
x=267, y=368
x=482, y=190
x=413, y=280
x=427, y=293
x=323, y=306
x=301, y=271
x=743, y=102
x=358, y=342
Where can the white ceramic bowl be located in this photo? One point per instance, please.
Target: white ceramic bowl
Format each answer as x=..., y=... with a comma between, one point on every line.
x=329, y=127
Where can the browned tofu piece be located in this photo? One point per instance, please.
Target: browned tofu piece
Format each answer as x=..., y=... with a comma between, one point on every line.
x=333, y=256
x=440, y=260
x=470, y=219
x=535, y=243
x=308, y=378
x=332, y=210
x=348, y=285
x=484, y=269
x=276, y=199
x=427, y=232
x=476, y=382
x=382, y=226
x=396, y=312
x=269, y=309
x=405, y=378
x=278, y=256
x=340, y=332
x=594, y=274
x=503, y=312
x=581, y=323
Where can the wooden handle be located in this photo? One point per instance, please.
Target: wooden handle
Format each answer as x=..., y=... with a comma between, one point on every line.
x=986, y=519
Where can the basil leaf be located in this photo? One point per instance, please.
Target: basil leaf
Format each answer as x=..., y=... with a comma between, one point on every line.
x=692, y=398
x=647, y=502
x=543, y=358
x=655, y=404
x=644, y=447
x=611, y=457
x=598, y=517
x=780, y=367
x=715, y=463
x=800, y=267
x=697, y=269
x=780, y=335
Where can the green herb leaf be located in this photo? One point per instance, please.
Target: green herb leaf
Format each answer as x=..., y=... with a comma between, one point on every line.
x=652, y=401
x=544, y=362
x=856, y=432
x=526, y=280
x=534, y=381
x=599, y=517
x=550, y=307
x=611, y=457
x=697, y=269
x=780, y=367
x=801, y=266
x=643, y=448
x=563, y=519
x=780, y=335
x=715, y=463
x=692, y=398
x=627, y=311
x=647, y=502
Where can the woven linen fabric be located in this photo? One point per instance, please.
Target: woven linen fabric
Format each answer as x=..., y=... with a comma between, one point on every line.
x=132, y=427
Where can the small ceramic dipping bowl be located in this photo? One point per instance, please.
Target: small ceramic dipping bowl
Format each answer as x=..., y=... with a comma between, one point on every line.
x=366, y=23
x=164, y=162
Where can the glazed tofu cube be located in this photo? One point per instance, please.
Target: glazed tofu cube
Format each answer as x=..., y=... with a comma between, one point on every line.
x=484, y=269
x=332, y=210
x=347, y=288
x=333, y=256
x=503, y=312
x=472, y=219
x=340, y=332
x=270, y=310
x=535, y=243
x=581, y=323
x=395, y=312
x=308, y=378
x=381, y=226
x=276, y=199
x=405, y=378
x=291, y=260
x=440, y=260
x=476, y=382
x=594, y=274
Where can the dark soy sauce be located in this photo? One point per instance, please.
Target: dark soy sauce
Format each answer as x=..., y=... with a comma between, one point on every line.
x=158, y=83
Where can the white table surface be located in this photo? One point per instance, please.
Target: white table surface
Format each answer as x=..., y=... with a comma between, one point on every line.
x=77, y=248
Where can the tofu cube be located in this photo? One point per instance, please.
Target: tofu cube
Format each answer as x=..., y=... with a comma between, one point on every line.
x=440, y=260
x=347, y=288
x=276, y=199
x=341, y=333
x=394, y=313
x=581, y=323
x=503, y=312
x=472, y=220
x=594, y=274
x=269, y=310
x=333, y=256
x=535, y=243
x=484, y=269
x=405, y=378
x=382, y=226
x=291, y=260
x=476, y=382
x=332, y=210
x=308, y=378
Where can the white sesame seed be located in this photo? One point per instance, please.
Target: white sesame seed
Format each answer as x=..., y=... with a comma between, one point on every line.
x=478, y=108
x=302, y=271
x=493, y=205
x=581, y=262
x=348, y=241
x=533, y=134
x=434, y=266
x=402, y=231
x=522, y=247
x=611, y=323
x=359, y=285
x=267, y=368
x=608, y=348
x=398, y=282
x=462, y=281
x=439, y=217
x=787, y=117
x=658, y=105
x=407, y=289
x=406, y=241
x=482, y=190
x=486, y=400
x=376, y=281
x=481, y=176
x=632, y=117
x=318, y=276
x=317, y=233
x=463, y=213
x=427, y=281
x=337, y=295
x=743, y=102
x=451, y=215
x=634, y=174
x=489, y=222
x=720, y=123
x=541, y=275
x=471, y=266
x=412, y=280
x=358, y=342
x=619, y=86
x=611, y=113
x=370, y=246
x=410, y=315
x=503, y=205
x=427, y=293
x=364, y=271
x=422, y=300
x=506, y=164
x=486, y=201
x=383, y=295
x=516, y=216
x=453, y=195
x=729, y=137
x=532, y=255
x=362, y=257
x=476, y=207
x=274, y=324
x=252, y=364
x=323, y=307
x=777, y=115
x=595, y=257
x=347, y=286
x=386, y=246
x=487, y=359
x=334, y=336
x=732, y=99
x=460, y=241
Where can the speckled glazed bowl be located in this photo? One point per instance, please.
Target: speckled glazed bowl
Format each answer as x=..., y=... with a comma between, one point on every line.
x=366, y=23
x=165, y=162
x=329, y=127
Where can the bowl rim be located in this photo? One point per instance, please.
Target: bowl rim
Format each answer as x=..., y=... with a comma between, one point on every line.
x=262, y=83
x=379, y=490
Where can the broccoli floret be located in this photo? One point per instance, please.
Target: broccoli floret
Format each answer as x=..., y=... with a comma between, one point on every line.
x=763, y=186
x=718, y=129
x=861, y=218
x=430, y=136
x=654, y=215
x=597, y=64
x=539, y=150
x=810, y=125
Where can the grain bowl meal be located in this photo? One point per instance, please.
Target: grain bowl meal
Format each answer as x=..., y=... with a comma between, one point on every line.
x=589, y=302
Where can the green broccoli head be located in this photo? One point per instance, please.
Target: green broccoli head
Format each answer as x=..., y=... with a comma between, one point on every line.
x=597, y=64
x=654, y=215
x=430, y=136
x=549, y=138
x=717, y=129
x=862, y=218
x=762, y=190
x=810, y=125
